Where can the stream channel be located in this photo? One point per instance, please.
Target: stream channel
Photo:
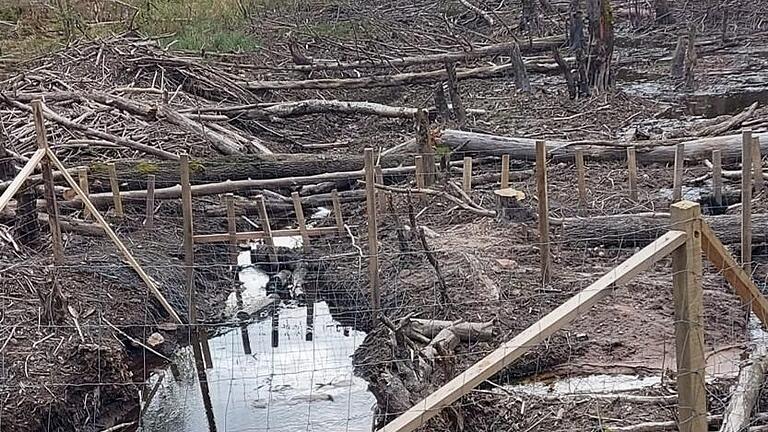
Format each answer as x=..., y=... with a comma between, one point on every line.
x=299, y=385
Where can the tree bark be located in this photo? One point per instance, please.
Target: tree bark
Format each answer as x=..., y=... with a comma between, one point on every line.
x=466, y=331
x=521, y=74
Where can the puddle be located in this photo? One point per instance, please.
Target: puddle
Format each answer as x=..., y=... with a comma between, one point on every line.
x=299, y=385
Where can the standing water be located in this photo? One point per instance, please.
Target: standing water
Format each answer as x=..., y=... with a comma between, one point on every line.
x=299, y=385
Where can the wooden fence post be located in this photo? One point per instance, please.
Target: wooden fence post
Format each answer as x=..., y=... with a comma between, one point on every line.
x=50, y=195
x=632, y=167
x=426, y=150
x=301, y=221
x=373, y=247
x=150, y=218
x=199, y=333
x=746, y=200
x=467, y=185
x=229, y=200
x=689, y=325
x=677, y=182
x=115, y=190
x=757, y=166
x=82, y=178
x=541, y=188
x=504, y=172
x=717, y=176
x=581, y=178
x=337, y=211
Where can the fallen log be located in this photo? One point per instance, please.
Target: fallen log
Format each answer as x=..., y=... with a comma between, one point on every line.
x=132, y=174
x=395, y=79
x=634, y=231
x=696, y=149
x=220, y=142
x=746, y=391
x=465, y=331
x=532, y=45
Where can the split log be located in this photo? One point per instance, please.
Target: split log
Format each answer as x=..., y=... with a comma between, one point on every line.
x=529, y=45
x=746, y=392
x=465, y=331
x=395, y=80
x=648, y=152
x=632, y=231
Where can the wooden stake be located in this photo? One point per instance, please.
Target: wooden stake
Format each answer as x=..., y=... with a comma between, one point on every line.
x=757, y=166
x=581, y=178
x=150, y=219
x=115, y=190
x=746, y=200
x=689, y=326
x=418, y=161
x=504, y=171
x=467, y=185
x=373, y=246
x=541, y=188
x=426, y=147
x=50, y=195
x=632, y=167
x=189, y=259
x=269, y=241
x=677, y=182
x=717, y=176
x=337, y=211
x=82, y=177
x=115, y=239
x=301, y=221
x=231, y=227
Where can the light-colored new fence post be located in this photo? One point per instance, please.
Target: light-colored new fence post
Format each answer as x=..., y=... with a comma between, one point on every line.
x=269, y=241
x=467, y=184
x=115, y=185
x=632, y=168
x=337, y=211
x=689, y=325
x=301, y=221
x=504, y=171
x=541, y=188
x=373, y=247
x=677, y=181
x=717, y=176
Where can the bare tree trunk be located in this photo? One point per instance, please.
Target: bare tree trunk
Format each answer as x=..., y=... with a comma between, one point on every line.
x=441, y=104
x=566, y=69
x=453, y=90
x=601, y=36
x=578, y=45
x=691, y=59
x=521, y=75
x=663, y=12
x=678, y=59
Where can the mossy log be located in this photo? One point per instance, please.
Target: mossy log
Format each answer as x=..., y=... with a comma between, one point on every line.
x=132, y=175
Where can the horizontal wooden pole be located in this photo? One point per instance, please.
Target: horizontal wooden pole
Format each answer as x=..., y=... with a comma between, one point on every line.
x=258, y=235
x=503, y=356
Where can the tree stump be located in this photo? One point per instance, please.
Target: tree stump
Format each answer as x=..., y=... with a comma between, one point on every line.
x=509, y=207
